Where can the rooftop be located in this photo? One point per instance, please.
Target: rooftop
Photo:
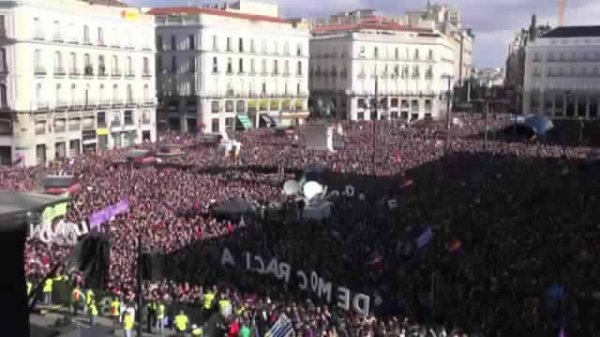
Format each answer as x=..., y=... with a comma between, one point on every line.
x=113, y=3
x=158, y=11
x=374, y=24
x=573, y=31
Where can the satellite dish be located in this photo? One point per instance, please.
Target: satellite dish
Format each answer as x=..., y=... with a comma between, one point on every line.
x=311, y=189
x=291, y=187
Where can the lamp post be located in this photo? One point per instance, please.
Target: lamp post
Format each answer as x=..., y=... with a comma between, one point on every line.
x=448, y=112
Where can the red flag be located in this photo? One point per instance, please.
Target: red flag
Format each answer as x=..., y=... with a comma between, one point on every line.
x=376, y=263
x=455, y=246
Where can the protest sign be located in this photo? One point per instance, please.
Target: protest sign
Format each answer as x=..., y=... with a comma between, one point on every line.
x=307, y=281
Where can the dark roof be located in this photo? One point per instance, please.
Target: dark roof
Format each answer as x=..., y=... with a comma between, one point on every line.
x=573, y=31
x=17, y=204
x=58, y=181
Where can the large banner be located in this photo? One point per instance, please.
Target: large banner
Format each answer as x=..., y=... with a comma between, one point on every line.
x=108, y=213
x=307, y=281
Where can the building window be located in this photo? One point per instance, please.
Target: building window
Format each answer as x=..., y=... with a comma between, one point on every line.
x=146, y=65
x=263, y=47
x=264, y=88
x=215, y=65
x=101, y=92
x=129, y=94
x=73, y=93
x=192, y=64
x=229, y=66
x=215, y=125
x=56, y=33
x=86, y=34
x=215, y=106
x=58, y=63
x=100, y=36
x=58, y=95
x=159, y=43
x=263, y=66
x=297, y=89
x=241, y=66
x=252, y=50
x=128, y=117
x=2, y=26
x=286, y=48
x=376, y=52
x=241, y=44
x=275, y=67
x=129, y=66
x=430, y=56
x=3, y=96
x=228, y=46
x=396, y=54
x=3, y=66
x=173, y=43
x=252, y=66
x=115, y=65
x=73, y=69
x=192, y=42
x=299, y=50
x=38, y=32
x=215, y=44
x=416, y=54
x=286, y=67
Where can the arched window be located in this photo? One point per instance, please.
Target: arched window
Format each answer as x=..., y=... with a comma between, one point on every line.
x=146, y=92
x=299, y=68
x=129, y=93
x=58, y=95
x=101, y=93
x=73, y=93
x=115, y=94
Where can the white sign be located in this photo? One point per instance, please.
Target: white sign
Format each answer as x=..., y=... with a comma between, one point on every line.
x=305, y=281
x=63, y=233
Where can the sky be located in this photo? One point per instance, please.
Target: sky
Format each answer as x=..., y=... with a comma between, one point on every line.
x=494, y=22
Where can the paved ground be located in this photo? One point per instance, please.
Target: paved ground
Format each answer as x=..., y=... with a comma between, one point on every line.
x=103, y=326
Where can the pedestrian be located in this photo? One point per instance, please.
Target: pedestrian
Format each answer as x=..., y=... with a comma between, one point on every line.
x=181, y=323
x=128, y=323
x=92, y=311
x=160, y=318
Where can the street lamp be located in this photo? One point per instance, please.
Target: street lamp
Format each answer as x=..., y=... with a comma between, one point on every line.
x=448, y=96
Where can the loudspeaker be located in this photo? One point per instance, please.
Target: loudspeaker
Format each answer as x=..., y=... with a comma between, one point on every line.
x=90, y=256
x=153, y=266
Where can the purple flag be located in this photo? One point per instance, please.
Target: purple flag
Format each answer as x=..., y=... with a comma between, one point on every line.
x=98, y=218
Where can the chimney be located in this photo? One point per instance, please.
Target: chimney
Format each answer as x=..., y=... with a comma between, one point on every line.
x=533, y=28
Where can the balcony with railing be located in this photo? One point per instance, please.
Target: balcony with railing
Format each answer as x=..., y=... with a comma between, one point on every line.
x=129, y=102
x=59, y=71
x=39, y=71
x=129, y=74
x=61, y=104
x=89, y=105
x=103, y=103
x=42, y=105
x=57, y=37
x=115, y=73
x=146, y=74
x=74, y=72
x=39, y=35
x=76, y=105
x=101, y=43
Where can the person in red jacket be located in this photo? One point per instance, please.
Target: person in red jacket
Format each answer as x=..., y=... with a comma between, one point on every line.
x=234, y=328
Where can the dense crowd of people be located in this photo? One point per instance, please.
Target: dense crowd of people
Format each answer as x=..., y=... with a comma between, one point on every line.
x=520, y=212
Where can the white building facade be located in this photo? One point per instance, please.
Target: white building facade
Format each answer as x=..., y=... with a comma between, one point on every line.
x=410, y=66
x=562, y=73
x=76, y=77
x=222, y=68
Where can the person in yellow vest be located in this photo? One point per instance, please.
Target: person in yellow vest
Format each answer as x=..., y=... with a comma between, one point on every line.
x=89, y=298
x=47, y=290
x=29, y=287
x=181, y=323
x=160, y=318
x=196, y=331
x=225, y=307
x=115, y=310
x=92, y=311
x=76, y=299
x=128, y=322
